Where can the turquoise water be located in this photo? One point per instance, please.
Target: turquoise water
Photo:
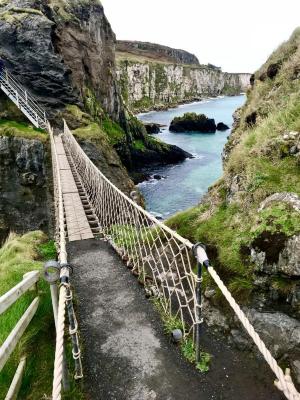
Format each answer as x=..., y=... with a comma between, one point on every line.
x=185, y=183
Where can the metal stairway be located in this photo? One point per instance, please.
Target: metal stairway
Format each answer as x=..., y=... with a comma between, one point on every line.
x=23, y=100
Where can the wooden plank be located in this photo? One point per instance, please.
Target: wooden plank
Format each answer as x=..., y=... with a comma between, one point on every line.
x=15, y=385
x=13, y=338
x=63, y=162
x=17, y=291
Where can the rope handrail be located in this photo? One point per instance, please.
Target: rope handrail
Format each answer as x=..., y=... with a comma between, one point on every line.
x=123, y=222
x=65, y=294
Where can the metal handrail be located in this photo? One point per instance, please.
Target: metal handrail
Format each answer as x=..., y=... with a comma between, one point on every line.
x=23, y=95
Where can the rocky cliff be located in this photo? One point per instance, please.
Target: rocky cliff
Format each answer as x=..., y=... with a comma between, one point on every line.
x=152, y=76
x=25, y=181
x=250, y=219
x=63, y=52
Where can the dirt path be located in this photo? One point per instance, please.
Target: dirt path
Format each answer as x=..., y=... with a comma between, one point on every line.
x=126, y=355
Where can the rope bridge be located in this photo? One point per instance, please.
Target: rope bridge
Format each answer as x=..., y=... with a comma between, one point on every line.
x=163, y=260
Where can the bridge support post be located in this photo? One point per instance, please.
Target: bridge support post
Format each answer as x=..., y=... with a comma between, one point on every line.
x=51, y=275
x=202, y=260
x=199, y=318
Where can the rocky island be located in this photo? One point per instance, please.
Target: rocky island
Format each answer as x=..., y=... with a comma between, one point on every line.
x=192, y=122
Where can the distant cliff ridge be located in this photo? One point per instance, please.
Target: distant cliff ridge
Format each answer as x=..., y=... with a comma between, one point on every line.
x=154, y=76
x=156, y=52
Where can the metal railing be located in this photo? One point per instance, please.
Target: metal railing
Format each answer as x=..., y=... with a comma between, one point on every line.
x=23, y=99
x=29, y=282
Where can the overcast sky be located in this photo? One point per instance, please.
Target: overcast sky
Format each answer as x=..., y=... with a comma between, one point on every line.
x=237, y=35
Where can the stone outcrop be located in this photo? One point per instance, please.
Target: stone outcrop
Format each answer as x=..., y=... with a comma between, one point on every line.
x=192, y=122
x=24, y=185
x=147, y=82
x=222, y=127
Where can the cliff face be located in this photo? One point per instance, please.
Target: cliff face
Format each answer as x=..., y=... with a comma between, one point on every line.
x=62, y=50
x=250, y=219
x=25, y=186
x=149, y=79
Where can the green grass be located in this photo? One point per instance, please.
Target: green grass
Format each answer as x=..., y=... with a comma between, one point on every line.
x=47, y=250
x=19, y=129
x=139, y=144
x=113, y=130
x=18, y=255
x=188, y=350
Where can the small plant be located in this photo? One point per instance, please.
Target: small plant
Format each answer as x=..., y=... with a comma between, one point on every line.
x=171, y=323
x=189, y=352
x=203, y=364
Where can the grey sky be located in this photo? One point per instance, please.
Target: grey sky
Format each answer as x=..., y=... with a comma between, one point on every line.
x=237, y=35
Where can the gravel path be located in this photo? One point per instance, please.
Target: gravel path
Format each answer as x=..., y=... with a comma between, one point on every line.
x=126, y=355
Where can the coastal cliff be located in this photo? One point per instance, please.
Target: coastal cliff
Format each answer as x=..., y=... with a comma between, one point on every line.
x=63, y=53
x=153, y=76
x=250, y=218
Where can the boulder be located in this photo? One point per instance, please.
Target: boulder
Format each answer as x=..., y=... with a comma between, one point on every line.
x=284, y=197
x=280, y=333
x=152, y=128
x=222, y=127
x=192, y=122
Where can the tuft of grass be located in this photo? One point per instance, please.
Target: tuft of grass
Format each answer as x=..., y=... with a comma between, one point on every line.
x=139, y=144
x=113, y=130
x=47, y=250
x=188, y=350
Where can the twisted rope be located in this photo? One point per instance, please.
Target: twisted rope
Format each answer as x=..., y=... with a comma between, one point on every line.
x=59, y=348
x=284, y=382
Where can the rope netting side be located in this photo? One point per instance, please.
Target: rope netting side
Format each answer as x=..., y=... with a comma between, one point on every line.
x=160, y=256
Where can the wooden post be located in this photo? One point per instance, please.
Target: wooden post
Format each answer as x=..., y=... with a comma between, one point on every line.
x=15, y=385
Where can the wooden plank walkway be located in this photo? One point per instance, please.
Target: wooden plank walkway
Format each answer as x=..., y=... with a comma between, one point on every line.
x=77, y=223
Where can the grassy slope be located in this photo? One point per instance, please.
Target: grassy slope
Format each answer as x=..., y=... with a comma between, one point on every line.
x=18, y=256
x=19, y=129
x=264, y=167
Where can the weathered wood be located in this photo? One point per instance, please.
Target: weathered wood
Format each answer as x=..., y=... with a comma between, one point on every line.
x=77, y=224
x=15, y=385
x=17, y=291
x=12, y=340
